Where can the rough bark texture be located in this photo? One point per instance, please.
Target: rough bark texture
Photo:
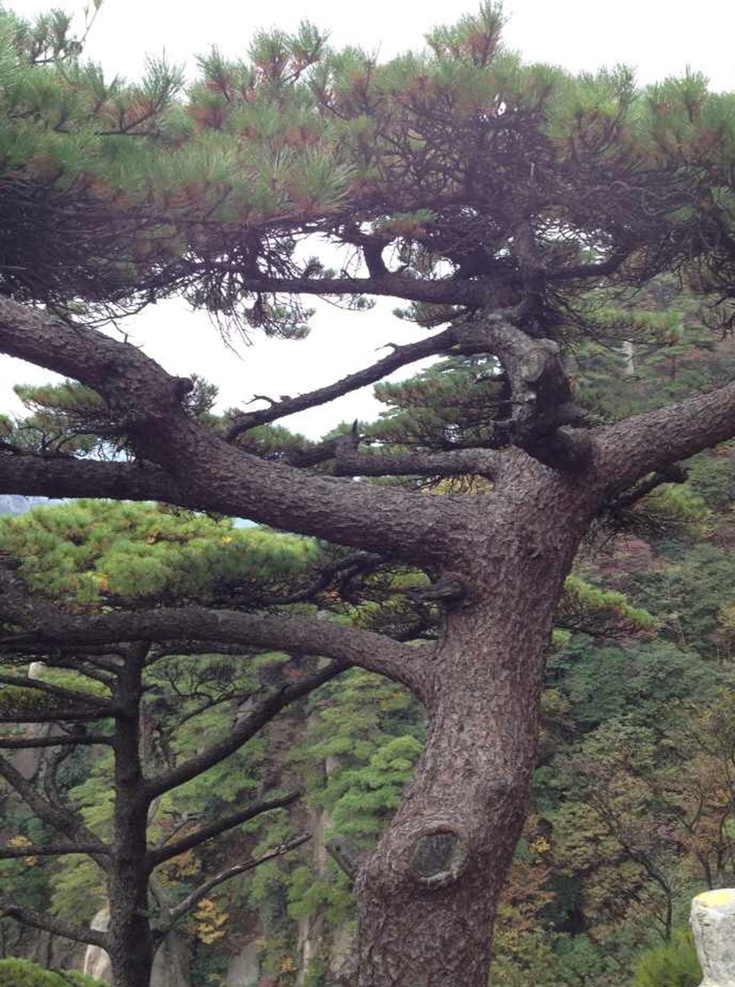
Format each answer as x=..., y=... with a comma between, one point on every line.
x=427, y=895
x=130, y=939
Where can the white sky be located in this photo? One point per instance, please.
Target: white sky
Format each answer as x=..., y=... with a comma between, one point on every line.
x=657, y=37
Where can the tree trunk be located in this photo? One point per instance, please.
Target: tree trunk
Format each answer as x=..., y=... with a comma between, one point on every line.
x=130, y=943
x=428, y=894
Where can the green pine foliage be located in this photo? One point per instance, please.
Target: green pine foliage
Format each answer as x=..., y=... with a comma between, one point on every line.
x=603, y=612
x=672, y=965
x=23, y=973
x=94, y=555
x=95, y=552
x=369, y=730
x=448, y=405
x=61, y=170
x=361, y=739
x=296, y=137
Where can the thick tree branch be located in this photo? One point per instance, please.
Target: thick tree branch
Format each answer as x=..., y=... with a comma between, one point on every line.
x=540, y=400
x=147, y=403
x=205, y=833
x=77, y=933
x=346, y=645
x=628, y=451
x=461, y=462
x=58, y=477
x=441, y=291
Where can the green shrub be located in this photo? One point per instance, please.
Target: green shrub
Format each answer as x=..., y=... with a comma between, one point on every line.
x=79, y=979
x=23, y=973
x=672, y=965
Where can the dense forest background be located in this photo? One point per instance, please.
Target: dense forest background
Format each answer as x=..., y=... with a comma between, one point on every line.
x=633, y=806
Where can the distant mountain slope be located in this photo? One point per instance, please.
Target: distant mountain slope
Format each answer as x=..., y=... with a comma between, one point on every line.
x=15, y=504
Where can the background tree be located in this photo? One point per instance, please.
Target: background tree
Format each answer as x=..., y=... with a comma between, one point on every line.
x=118, y=732
x=489, y=196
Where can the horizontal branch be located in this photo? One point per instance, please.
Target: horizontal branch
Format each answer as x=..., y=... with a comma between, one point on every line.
x=223, y=825
x=45, y=922
x=439, y=291
x=52, y=850
x=643, y=444
x=350, y=461
x=75, y=740
x=52, y=716
x=65, y=476
x=190, y=901
x=346, y=645
x=204, y=471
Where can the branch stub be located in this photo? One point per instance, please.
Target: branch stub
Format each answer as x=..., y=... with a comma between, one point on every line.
x=438, y=857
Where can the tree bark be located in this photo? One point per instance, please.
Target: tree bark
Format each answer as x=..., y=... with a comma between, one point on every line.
x=130, y=939
x=427, y=895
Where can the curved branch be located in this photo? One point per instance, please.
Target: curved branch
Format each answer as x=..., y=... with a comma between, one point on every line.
x=99, y=706
x=252, y=720
x=59, y=817
x=197, y=894
x=77, y=933
x=673, y=473
x=206, y=472
x=346, y=645
x=642, y=444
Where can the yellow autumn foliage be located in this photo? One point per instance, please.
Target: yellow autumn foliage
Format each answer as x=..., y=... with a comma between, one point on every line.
x=210, y=921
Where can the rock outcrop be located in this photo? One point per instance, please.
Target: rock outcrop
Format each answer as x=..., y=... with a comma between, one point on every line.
x=713, y=924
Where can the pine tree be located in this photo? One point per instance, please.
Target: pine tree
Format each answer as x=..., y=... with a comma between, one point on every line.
x=506, y=203
x=128, y=742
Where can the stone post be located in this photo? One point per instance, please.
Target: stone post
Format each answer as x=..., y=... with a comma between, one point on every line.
x=713, y=925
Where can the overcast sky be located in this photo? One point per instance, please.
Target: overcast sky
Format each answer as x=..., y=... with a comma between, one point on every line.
x=657, y=37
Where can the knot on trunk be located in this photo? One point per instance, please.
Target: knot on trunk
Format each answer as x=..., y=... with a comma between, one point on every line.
x=438, y=857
